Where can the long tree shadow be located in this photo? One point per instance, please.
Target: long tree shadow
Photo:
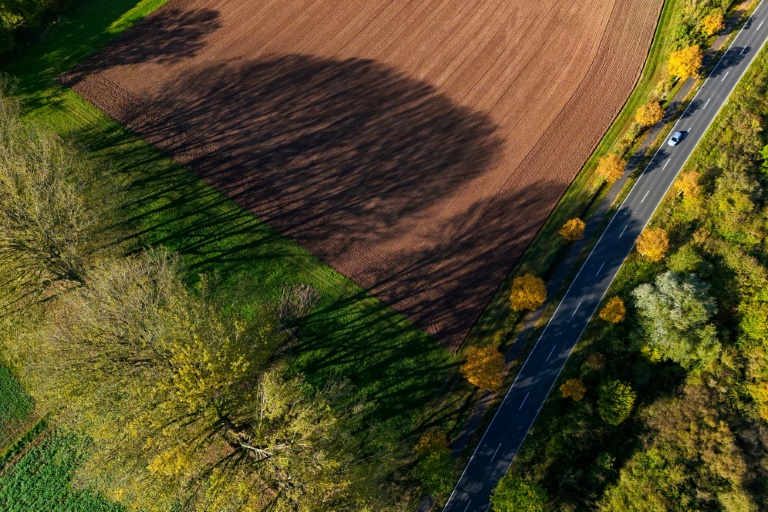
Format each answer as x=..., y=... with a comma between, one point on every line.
x=344, y=156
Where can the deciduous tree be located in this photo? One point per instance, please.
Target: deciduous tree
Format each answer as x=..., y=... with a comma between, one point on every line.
x=712, y=23
x=686, y=63
x=513, y=494
x=573, y=388
x=611, y=168
x=484, y=367
x=653, y=244
x=573, y=230
x=528, y=292
x=649, y=114
x=52, y=212
x=434, y=466
x=615, y=401
x=614, y=310
x=674, y=315
x=182, y=402
x=688, y=184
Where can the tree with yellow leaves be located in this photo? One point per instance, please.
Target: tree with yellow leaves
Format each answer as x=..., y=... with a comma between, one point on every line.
x=712, y=23
x=528, y=292
x=649, y=114
x=573, y=388
x=611, y=168
x=687, y=184
x=653, y=244
x=484, y=367
x=686, y=63
x=573, y=230
x=614, y=310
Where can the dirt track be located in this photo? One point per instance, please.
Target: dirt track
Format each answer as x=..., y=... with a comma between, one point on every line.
x=415, y=145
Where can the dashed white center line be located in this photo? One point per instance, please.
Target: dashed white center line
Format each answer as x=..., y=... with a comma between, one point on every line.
x=497, y=451
x=575, y=310
x=551, y=352
x=468, y=503
x=666, y=164
x=646, y=195
x=760, y=25
x=742, y=51
x=707, y=103
x=623, y=230
x=601, y=268
x=725, y=76
x=524, y=399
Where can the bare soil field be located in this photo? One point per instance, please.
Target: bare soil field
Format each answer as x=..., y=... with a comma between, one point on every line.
x=417, y=146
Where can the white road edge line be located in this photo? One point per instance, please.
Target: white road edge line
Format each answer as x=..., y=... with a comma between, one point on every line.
x=501, y=405
x=601, y=268
x=523, y=402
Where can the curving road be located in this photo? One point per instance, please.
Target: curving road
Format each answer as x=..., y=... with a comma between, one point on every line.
x=521, y=405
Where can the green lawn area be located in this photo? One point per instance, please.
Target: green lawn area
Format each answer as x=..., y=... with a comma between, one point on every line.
x=350, y=334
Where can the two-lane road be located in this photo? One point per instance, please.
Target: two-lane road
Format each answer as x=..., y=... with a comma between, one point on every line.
x=521, y=405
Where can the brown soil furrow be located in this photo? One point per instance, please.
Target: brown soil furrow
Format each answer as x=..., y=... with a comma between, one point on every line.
x=416, y=146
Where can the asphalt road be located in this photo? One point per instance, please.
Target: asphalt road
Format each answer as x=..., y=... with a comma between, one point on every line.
x=501, y=441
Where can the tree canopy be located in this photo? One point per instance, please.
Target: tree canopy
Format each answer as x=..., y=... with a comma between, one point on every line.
x=611, y=168
x=484, y=367
x=528, y=292
x=573, y=230
x=686, y=63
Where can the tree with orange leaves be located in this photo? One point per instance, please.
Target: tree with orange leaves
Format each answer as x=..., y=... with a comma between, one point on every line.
x=573, y=230
x=611, y=168
x=573, y=388
x=528, y=292
x=649, y=114
x=712, y=24
x=484, y=367
x=614, y=310
x=653, y=244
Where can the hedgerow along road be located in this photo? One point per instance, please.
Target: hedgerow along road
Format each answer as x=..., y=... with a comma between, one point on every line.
x=522, y=403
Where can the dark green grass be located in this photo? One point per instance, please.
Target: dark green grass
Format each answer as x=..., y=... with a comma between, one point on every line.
x=40, y=480
x=15, y=403
x=349, y=335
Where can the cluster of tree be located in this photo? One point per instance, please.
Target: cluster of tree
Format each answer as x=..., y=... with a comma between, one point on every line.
x=20, y=17
x=184, y=398
x=667, y=408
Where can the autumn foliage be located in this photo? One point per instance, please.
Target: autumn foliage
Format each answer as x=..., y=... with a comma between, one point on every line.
x=712, y=24
x=685, y=63
x=611, y=168
x=573, y=230
x=484, y=367
x=688, y=184
x=649, y=114
x=528, y=292
x=573, y=388
x=614, y=310
x=653, y=244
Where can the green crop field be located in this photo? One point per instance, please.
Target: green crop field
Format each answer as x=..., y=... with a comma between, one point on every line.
x=40, y=479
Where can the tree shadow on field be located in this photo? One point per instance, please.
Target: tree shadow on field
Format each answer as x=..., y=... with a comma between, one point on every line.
x=167, y=36
x=344, y=156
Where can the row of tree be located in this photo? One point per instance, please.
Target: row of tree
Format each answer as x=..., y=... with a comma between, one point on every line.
x=185, y=399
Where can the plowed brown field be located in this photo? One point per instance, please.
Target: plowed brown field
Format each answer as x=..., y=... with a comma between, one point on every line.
x=417, y=146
